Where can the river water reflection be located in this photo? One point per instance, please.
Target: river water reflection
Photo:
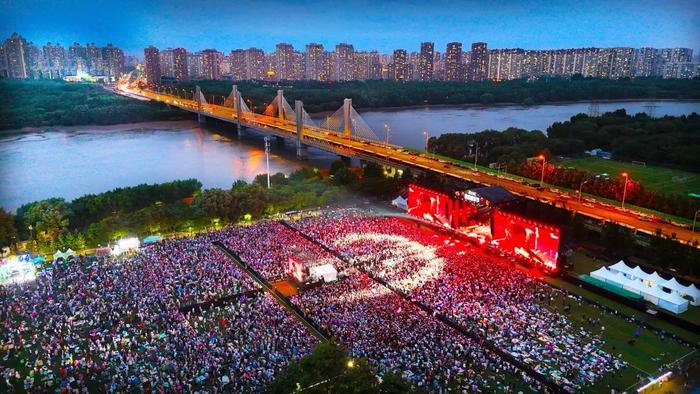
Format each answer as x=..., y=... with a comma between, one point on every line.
x=71, y=161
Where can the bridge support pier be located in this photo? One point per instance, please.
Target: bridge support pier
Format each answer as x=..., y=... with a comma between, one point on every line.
x=201, y=119
x=302, y=151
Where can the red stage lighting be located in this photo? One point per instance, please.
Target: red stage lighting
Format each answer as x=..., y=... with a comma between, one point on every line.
x=533, y=241
x=438, y=208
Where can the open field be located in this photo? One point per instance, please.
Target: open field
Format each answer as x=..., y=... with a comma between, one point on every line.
x=657, y=178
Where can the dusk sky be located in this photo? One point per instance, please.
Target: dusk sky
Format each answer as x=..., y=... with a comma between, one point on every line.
x=381, y=25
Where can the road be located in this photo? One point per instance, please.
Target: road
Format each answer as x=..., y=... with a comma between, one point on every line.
x=393, y=154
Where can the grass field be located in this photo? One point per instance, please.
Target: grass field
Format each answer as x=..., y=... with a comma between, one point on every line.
x=656, y=178
x=644, y=357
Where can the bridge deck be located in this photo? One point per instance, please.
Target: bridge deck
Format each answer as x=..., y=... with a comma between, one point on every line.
x=382, y=153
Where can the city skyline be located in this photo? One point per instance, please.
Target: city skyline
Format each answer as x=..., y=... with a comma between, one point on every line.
x=367, y=26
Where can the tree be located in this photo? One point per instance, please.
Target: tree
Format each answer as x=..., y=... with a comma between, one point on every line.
x=48, y=217
x=8, y=231
x=329, y=370
x=216, y=203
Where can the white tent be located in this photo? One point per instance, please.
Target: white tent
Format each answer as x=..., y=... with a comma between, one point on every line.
x=621, y=267
x=325, y=271
x=673, y=284
x=602, y=274
x=694, y=293
x=63, y=255
x=656, y=279
x=638, y=273
x=674, y=303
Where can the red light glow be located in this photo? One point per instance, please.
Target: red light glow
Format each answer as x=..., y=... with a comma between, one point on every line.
x=438, y=208
x=295, y=269
x=528, y=239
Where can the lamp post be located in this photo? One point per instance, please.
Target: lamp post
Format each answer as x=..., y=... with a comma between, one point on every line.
x=624, y=190
x=476, y=154
x=267, y=159
x=544, y=161
x=387, y=129
x=426, y=136
x=580, y=187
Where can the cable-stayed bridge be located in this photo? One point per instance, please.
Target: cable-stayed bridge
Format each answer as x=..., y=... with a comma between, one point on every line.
x=348, y=135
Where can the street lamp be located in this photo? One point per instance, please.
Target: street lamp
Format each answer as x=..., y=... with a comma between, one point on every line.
x=267, y=159
x=426, y=135
x=476, y=153
x=544, y=161
x=580, y=187
x=624, y=190
x=387, y=129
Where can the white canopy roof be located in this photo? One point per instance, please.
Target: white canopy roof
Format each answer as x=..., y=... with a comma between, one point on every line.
x=639, y=273
x=674, y=285
x=693, y=291
x=622, y=267
x=657, y=279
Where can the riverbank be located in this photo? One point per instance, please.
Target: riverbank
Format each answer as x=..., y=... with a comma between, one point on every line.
x=507, y=104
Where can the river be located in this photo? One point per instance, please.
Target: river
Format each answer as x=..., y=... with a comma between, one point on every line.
x=68, y=162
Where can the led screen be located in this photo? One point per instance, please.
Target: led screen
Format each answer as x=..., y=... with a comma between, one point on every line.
x=438, y=208
x=526, y=238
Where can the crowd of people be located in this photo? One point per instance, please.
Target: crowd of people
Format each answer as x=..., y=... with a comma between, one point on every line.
x=268, y=245
x=179, y=316
x=482, y=294
x=373, y=321
x=114, y=324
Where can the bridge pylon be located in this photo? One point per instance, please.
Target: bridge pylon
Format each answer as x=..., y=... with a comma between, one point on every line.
x=302, y=151
x=199, y=98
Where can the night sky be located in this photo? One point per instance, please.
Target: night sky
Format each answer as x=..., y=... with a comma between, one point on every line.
x=381, y=25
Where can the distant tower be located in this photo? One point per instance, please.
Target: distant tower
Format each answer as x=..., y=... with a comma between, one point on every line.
x=594, y=109
x=650, y=109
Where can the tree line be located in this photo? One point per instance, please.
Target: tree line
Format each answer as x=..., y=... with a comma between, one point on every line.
x=51, y=103
x=667, y=141
x=328, y=96
x=181, y=206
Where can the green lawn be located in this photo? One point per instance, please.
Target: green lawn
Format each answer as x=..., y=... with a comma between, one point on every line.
x=648, y=353
x=656, y=178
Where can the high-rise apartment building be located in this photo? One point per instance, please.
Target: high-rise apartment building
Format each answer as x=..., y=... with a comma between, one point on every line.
x=195, y=66
x=255, y=65
x=113, y=62
x=400, y=65
x=453, y=62
x=238, y=68
x=167, y=63
x=505, y=64
x=478, y=62
x=282, y=62
x=314, y=62
x=54, y=60
x=211, y=63
x=180, y=65
x=621, y=63
x=426, y=62
x=17, y=67
x=3, y=62
x=344, y=67
x=645, y=60
x=152, y=64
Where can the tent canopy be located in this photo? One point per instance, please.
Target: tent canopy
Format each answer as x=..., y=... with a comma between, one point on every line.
x=620, y=266
x=325, y=271
x=152, y=239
